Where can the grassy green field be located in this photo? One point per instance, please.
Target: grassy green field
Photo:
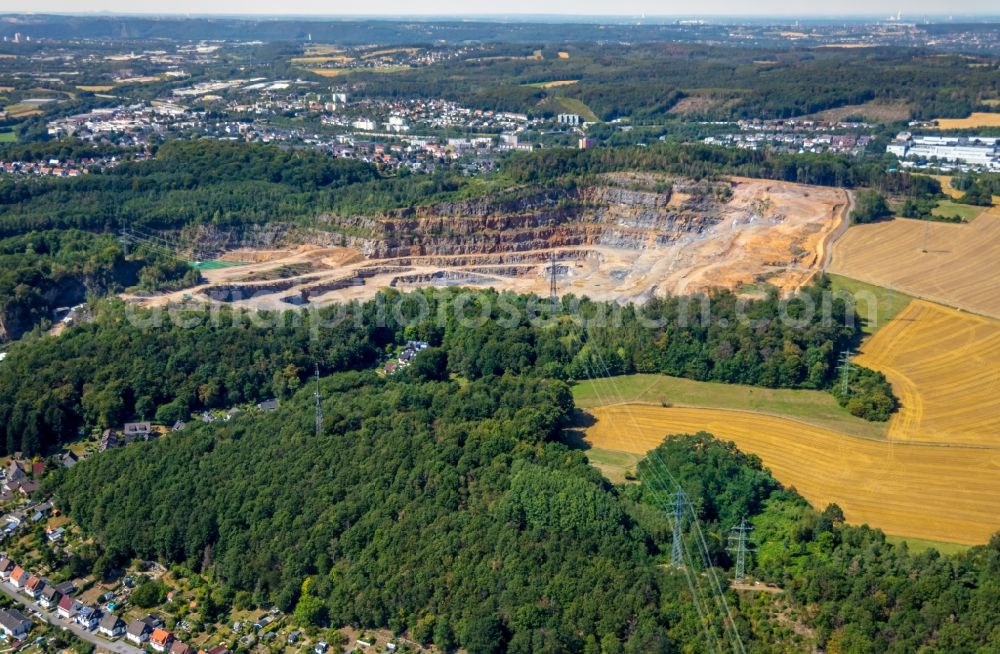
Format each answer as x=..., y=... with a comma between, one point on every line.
x=812, y=407
x=570, y=106
x=888, y=302
x=950, y=208
x=920, y=545
x=214, y=265
x=618, y=467
x=8, y=137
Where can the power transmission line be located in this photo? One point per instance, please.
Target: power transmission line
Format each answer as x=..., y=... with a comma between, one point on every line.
x=845, y=371
x=740, y=548
x=319, y=406
x=677, y=548
x=729, y=625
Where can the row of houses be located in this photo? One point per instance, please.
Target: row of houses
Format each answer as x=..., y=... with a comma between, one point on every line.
x=149, y=630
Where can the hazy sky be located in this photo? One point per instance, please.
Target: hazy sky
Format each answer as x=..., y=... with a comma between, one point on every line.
x=579, y=7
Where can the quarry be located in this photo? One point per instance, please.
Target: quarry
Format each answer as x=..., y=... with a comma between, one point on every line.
x=626, y=238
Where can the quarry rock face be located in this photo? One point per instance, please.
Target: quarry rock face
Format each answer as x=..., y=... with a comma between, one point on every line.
x=543, y=219
x=603, y=215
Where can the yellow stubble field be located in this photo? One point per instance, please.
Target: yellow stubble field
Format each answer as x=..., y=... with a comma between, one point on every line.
x=917, y=490
x=944, y=365
x=952, y=264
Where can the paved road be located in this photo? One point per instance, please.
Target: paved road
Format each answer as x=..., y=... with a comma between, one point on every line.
x=118, y=647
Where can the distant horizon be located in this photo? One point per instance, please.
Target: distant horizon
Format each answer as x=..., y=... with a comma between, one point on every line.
x=711, y=10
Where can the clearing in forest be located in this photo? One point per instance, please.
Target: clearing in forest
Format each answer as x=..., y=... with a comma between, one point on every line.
x=923, y=491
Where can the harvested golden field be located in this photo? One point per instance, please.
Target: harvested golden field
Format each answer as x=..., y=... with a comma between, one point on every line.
x=553, y=84
x=976, y=119
x=96, y=88
x=329, y=72
x=944, y=365
x=958, y=268
x=923, y=491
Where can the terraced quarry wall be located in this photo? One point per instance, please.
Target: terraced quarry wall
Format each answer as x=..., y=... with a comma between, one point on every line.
x=610, y=242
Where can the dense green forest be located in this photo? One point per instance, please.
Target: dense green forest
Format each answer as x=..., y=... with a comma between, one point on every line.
x=645, y=81
x=43, y=271
x=861, y=593
x=234, y=185
x=152, y=365
x=452, y=512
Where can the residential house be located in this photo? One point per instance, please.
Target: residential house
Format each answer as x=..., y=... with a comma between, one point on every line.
x=134, y=431
x=67, y=607
x=161, y=639
x=111, y=626
x=178, y=426
x=14, y=623
x=55, y=535
x=18, y=577
x=33, y=587
x=68, y=460
x=6, y=565
x=88, y=617
x=181, y=648
x=268, y=405
x=49, y=597
x=137, y=632
x=66, y=588
x=152, y=622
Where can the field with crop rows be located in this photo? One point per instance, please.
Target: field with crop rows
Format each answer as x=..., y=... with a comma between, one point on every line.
x=922, y=491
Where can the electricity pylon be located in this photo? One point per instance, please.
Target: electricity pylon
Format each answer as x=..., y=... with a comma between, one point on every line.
x=677, y=549
x=740, y=548
x=845, y=371
x=319, y=407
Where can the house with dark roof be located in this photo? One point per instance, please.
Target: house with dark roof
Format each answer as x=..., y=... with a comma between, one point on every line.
x=111, y=626
x=137, y=632
x=269, y=405
x=181, y=648
x=14, y=623
x=49, y=597
x=6, y=565
x=88, y=617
